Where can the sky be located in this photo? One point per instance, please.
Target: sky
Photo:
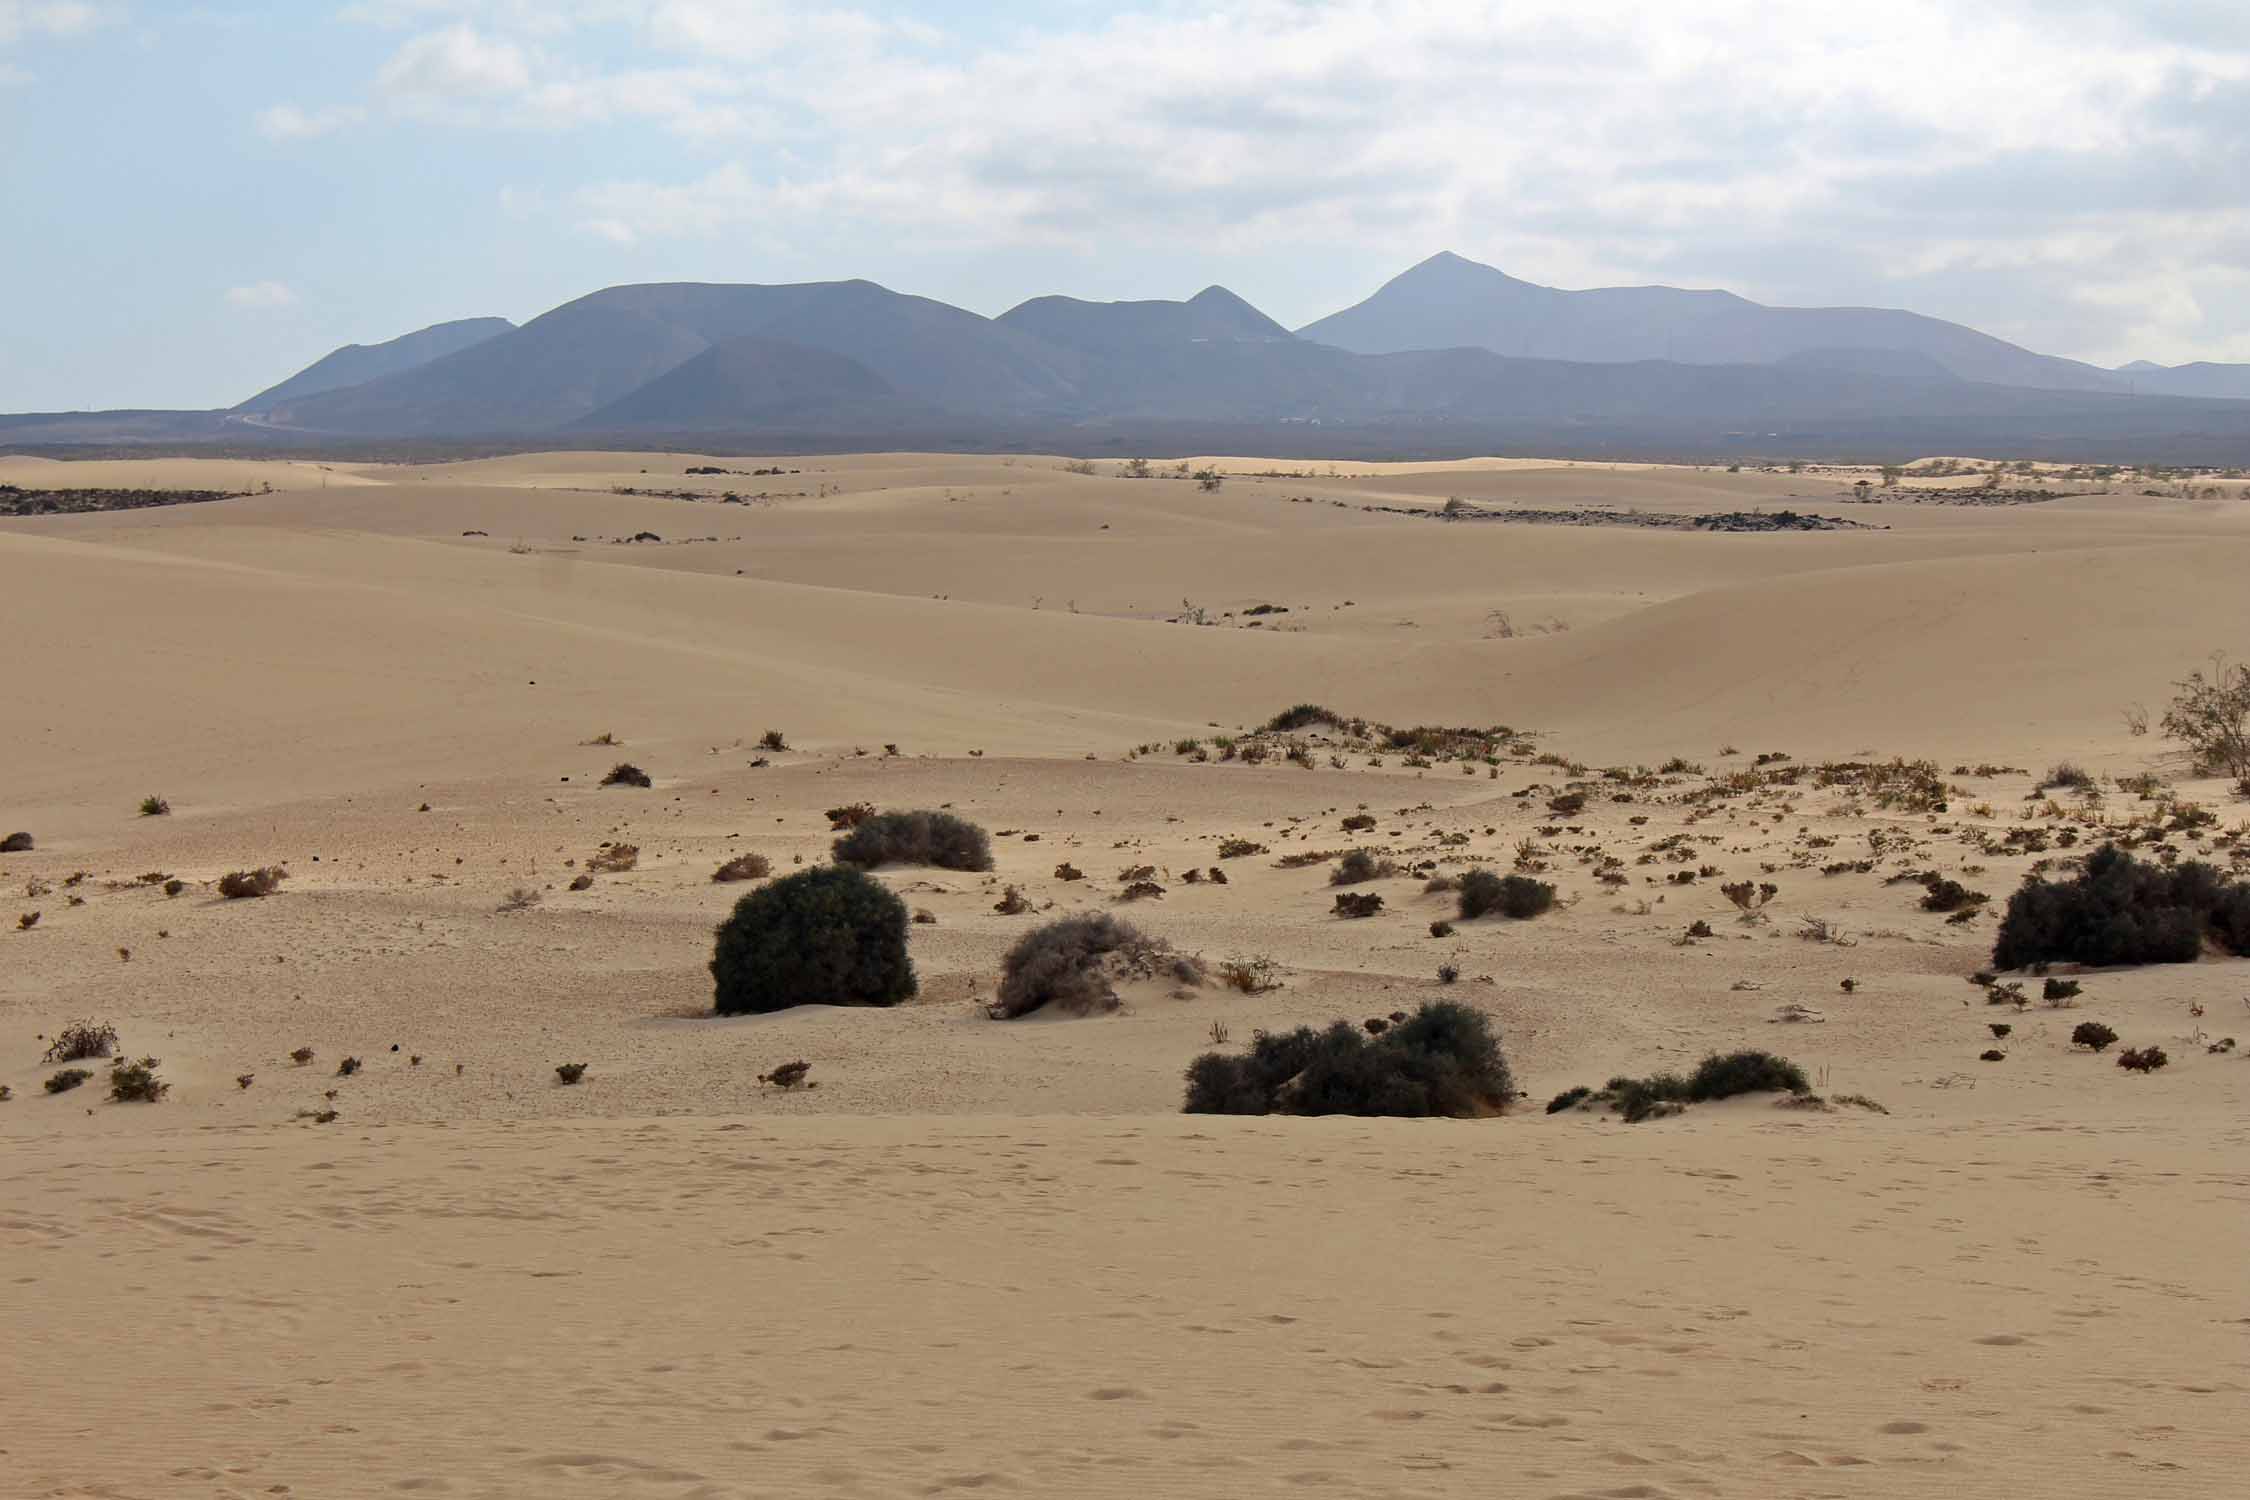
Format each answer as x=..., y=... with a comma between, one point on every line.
x=197, y=199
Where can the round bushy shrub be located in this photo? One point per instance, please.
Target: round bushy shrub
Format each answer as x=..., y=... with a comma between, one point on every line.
x=828, y=936
x=2120, y=911
x=1071, y=965
x=916, y=838
x=1517, y=896
x=1442, y=1060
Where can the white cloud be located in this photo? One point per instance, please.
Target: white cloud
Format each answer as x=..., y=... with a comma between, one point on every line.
x=261, y=296
x=46, y=18
x=287, y=122
x=1981, y=159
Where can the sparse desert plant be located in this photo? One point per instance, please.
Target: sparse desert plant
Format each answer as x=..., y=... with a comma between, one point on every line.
x=1303, y=716
x=2000, y=1030
x=242, y=885
x=2092, y=1035
x=1992, y=1054
x=614, y=859
x=1568, y=805
x=1942, y=895
x=581, y=882
x=1441, y=928
x=1359, y=866
x=1359, y=822
x=1516, y=896
x=522, y=898
x=1746, y=1072
x=1012, y=903
x=773, y=739
x=301, y=1056
x=16, y=843
x=174, y=887
x=851, y=815
x=154, y=807
x=1239, y=848
x=1569, y=1098
x=1448, y=973
x=1750, y=898
x=1357, y=903
x=81, y=1040
x=28, y=920
x=826, y=936
x=2066, y=774
x=66, y=1079
x=348, y=1067
x=2210, y=715
x=1442, y=1060
x=1141, y=890
x=743, y=867
x=2142, y=1059
x=625, y=773
x=570, y=1072
x=2060, y=991
x=916, y=838
x=788, y=1075
x=1074, y=965
x=2121, y=911
x=136, y=1082
x=606, y=737
x=1066, y=871
x=1252, y=976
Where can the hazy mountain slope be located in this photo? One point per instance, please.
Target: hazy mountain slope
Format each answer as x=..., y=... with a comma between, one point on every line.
x=356, y=364
x=1448, y=301
x=748, y=382
x=571, y=362
x=2223, y=382
x=1110, y=328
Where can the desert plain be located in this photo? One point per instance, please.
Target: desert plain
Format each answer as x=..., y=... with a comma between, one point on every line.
x=994, y=1257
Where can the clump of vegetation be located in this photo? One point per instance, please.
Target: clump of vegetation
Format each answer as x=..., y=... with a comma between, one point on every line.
x=2060, y=991
x=1359, y=866
x=16, y=843
x=155, y=807
x=744, y=867
x=522, y=898
x=1239, y=848
x=773, y=739
x=916, y=838
x=1516, y=896
x=80, y=1040
x=1074, y=966
x=1066, y=871
x=2142, y=1059
x=1569, y=1098
x=1357, y=903
x=1012, y=903
x=614, y=859
x=1441, y=928
x=828, y=936
x=1359, y=822
x=1942, y=895
x=301, y=1055
x=1750, y=898
x=2211, y=716
x=581, y=882
x=1441, y=1061
x=1251, y=976
x=570, y=1072
x=1568, y=805
x=174, y=887
x=2092, y=1035
x=63, y=1081
x=625, y=773
x=1719, y=1076
x=136, y=1082
x=243, y=885
x=1303, y=716
x=2066, y=774
x=2120, y=911
x=788, y=1075
x=851, y=815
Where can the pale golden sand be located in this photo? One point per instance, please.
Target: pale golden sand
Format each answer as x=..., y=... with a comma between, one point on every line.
x=993, y=1257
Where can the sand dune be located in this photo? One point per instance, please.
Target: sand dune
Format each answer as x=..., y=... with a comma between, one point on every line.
x=987, y=1256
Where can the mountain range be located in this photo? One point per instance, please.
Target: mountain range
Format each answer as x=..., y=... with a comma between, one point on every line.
x=1449, y=352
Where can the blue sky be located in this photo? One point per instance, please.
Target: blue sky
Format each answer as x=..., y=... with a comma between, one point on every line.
x=200, y=198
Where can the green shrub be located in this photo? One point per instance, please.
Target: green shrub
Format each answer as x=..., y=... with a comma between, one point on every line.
x=1745, y=1072
x=828, y=936
x=1073, y=965
x=2120, y=911
x=1303, y=716
x=916, y=838
x=241, y=885
x=1359, y=866
x=1569, y=1098
x=1517, y=896
x=136, y=1082
x=1442, y=1060
x=81, y=1040
x=2142, y=1059
x=66, y=1079
x=2092, y=1034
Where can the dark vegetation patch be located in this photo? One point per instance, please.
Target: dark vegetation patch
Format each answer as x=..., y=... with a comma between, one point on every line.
x=829, y=936
x=916, y=838
x=16, y=501
x=1442, y=1060
x=1074, y=966
x=2121, y=911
